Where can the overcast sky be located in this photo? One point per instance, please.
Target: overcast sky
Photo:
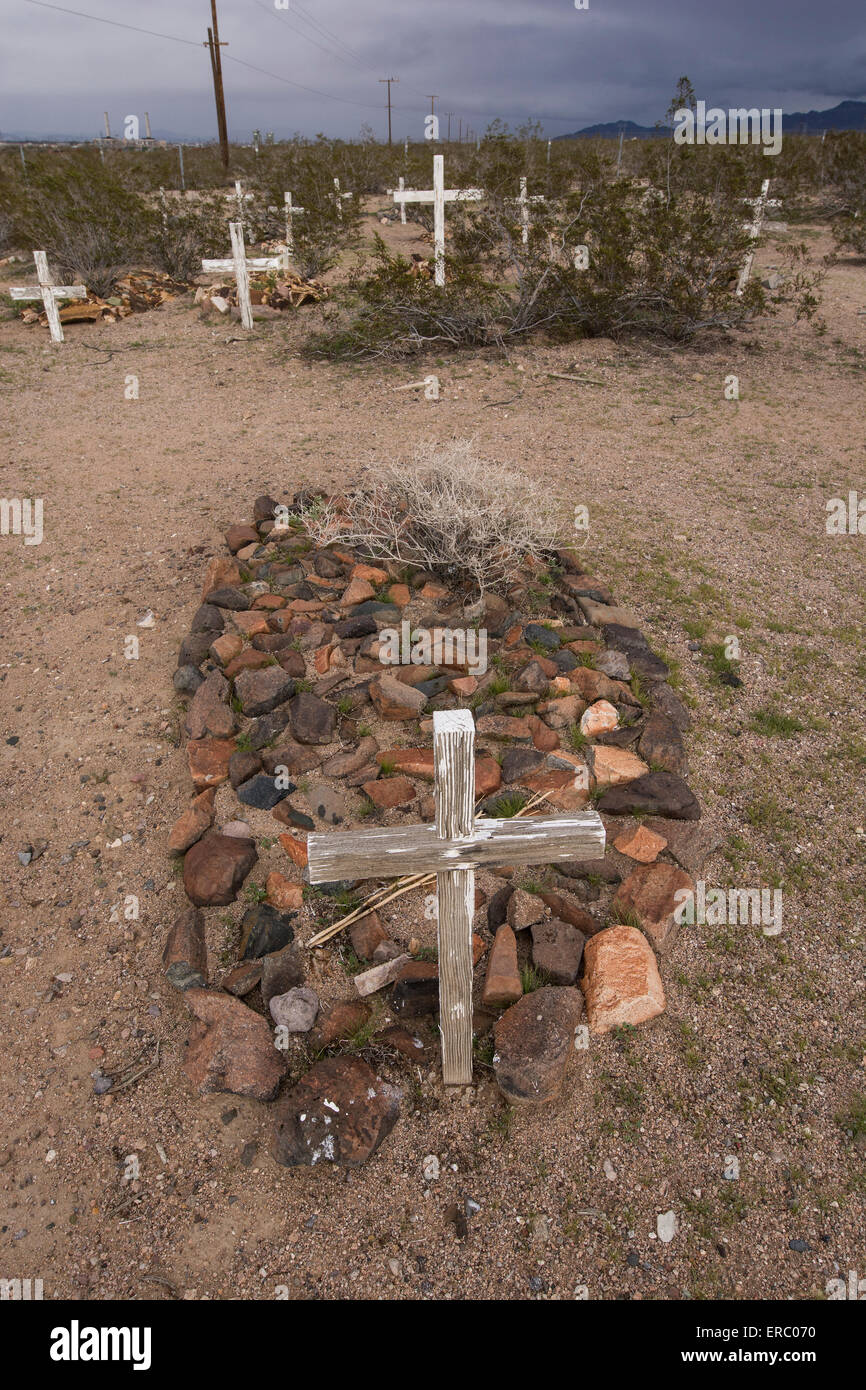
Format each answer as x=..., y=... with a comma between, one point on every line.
x=518, y=59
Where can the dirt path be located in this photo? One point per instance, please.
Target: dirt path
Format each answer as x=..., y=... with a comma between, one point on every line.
x=708, y=526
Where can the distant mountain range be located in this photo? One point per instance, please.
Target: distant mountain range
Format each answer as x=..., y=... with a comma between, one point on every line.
x=848, y=115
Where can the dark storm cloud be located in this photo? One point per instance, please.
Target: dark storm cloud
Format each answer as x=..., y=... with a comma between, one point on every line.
x=518, y=59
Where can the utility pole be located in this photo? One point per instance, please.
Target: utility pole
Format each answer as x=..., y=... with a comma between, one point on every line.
x=213, y=43
x=460, y=132
x=433, y=103
x=389, y=80
x=450, y=114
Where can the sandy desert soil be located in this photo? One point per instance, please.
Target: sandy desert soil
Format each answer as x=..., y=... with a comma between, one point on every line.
x=708, y=524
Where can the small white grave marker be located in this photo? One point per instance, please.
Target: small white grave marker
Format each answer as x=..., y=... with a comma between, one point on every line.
x=438, y=195
x=524, y=200
x=240, y=198
x=291, y=211
x=760, y=205
x=49, y=293
x=240, y=266
x=338, y=198
x=453, y=848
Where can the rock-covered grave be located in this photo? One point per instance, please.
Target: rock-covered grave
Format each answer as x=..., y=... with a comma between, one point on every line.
x=298, y=719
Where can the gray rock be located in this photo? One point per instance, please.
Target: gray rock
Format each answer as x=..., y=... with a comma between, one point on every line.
x=295, y=1010
x=187, y=679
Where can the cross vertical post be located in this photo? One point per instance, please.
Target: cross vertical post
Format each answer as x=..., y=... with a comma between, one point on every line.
x=760, y=205
x=290, y=236
x=453, y=747
x=49, y=293
x=242, y=274
x=439, y=218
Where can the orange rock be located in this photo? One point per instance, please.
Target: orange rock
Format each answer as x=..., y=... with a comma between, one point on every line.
x=221, y=573
x=269, y=601
x=652, y=891
x=479, y=945
x=322, y=659
x=399, y=595
x=295, y=849
x=434, y=592
x=463, y=685
x=600, y=718
x=227, y=647
x=250, y=622
x=282, y=893
x=196, y=819
x=611, y=766
x=542, y=738
x=502, y=983
x=387, y=792
x=370, y=573
x=621, y=979
x=304, y=605
x=357, y=591
x=208, y=760
x=395, y=700
x=248, y=660
x=488, y=775
x=418, y=762
x=641, y=844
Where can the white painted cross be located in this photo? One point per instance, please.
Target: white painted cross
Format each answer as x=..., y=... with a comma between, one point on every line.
x=524, y=200
x=760, y=205
x=439, y=195
x=338, y=198
x=240, y=266
x=453, y=848
x=291, y=210
x=401, y=184
x=240, y=198
x=49, y=293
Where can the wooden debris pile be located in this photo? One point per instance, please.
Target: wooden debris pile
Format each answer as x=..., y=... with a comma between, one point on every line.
x=288, y=291
x=135, y=293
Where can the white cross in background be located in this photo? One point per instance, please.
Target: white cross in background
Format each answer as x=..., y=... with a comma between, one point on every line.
x=240, y=198
x=291, y=209
x=453, y=848
x=439, y=195
x=240, y=266
x=338, y=198
x=49, y=293
x=760, y=205
x=401, y=184
x=524, y=200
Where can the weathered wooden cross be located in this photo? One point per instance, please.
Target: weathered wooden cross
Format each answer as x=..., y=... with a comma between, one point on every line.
x=240, y=198
x=760, y=205
x=49, y=293
x=291, y=211
x=240, y=266
x=401, y=184
x=338, y=198
x=524, y=200
x=438, y=195
x=453, y=848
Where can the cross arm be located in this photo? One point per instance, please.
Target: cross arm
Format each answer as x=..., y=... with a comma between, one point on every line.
x=59, y=291
x=397, y=850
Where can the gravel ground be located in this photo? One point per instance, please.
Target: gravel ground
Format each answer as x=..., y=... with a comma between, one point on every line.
x=710, y=525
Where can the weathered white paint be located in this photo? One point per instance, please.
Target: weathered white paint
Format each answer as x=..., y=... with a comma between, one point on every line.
x=760, y=205
x=49, y=293
x=452, y=848
x=291, y=211
x=240, y=266
x=438, y=195
x=524, y=200
x=338, y=198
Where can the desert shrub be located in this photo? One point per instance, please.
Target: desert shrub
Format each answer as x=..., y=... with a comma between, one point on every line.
x=658, y=266
x=92, y=227
x=182, y=233
x=447, y=510
x=845, y=174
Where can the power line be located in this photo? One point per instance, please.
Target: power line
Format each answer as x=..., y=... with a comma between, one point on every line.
x=43, y=5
